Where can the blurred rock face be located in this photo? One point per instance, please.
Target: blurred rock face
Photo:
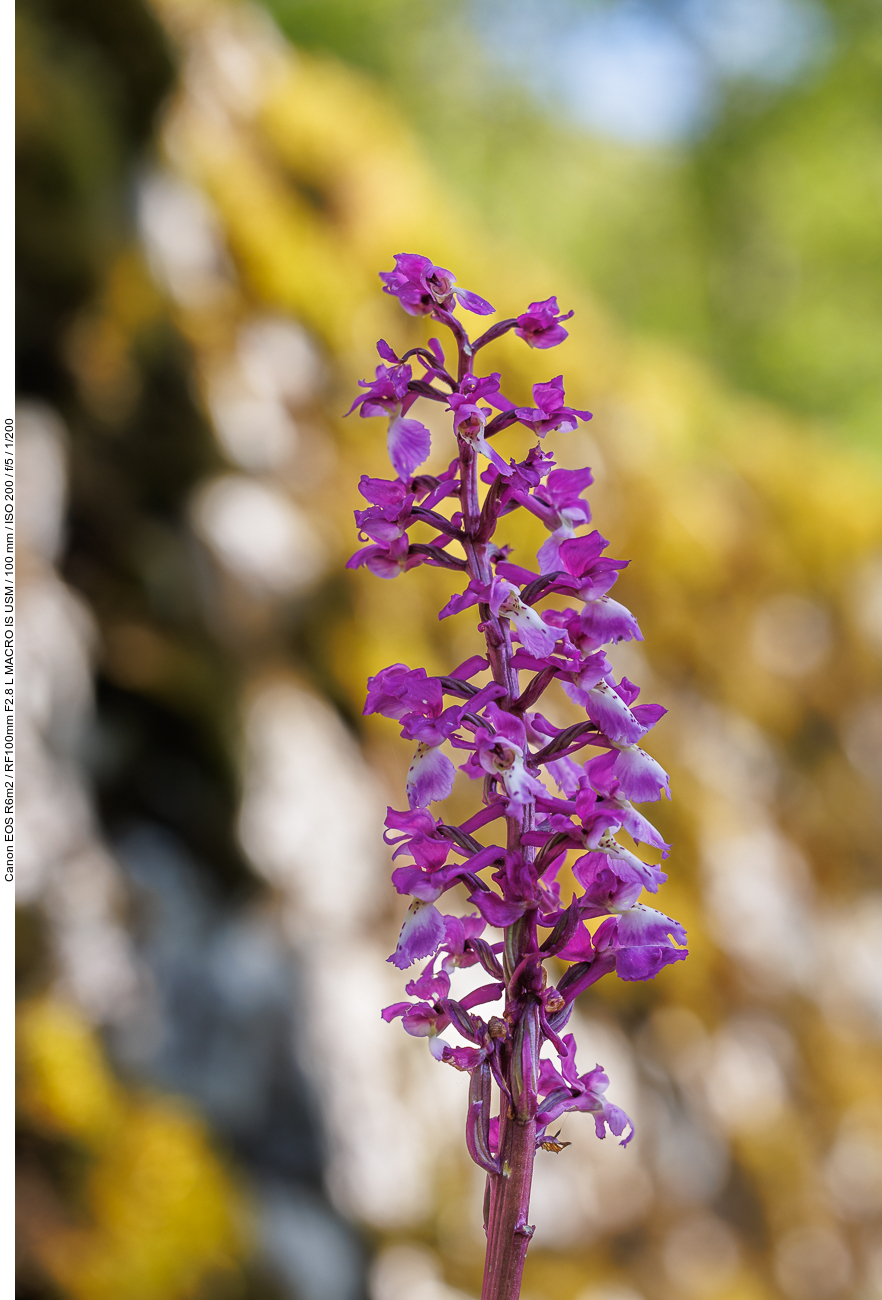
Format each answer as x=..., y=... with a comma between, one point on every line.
x=202, y=833
x=197, y=995
x=62, y=860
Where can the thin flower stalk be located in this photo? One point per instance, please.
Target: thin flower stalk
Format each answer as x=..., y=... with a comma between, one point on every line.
x=543, y=802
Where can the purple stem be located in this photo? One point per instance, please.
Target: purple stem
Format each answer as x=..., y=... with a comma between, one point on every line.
x=508, y=1199
x=508, y=1232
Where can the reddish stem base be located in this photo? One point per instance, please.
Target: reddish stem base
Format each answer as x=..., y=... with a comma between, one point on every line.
x=508, y=1233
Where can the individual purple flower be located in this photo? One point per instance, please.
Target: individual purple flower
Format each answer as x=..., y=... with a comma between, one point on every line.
x=421, y=287
x=422, y=1020
x=382, y=491
x=466, y=1059
x=616, y=812
x=398, y=690
x=419, y=1018
x=384, y=559
x=429, y=985
x=419, y=837
x=549, y=413
x=540, y=325
x=605, y=890
x=643, y=940
x=496, y=910
x=470, y=419
x=613, y=877
x=425, y=883
x=430, y=874
x=532, y=630
x=386, y=393
x=408, y=441
x=564, y=1090
x=523, y=476
x=603, y=622
x=501, y=753
x=458, y=931
x=417, y=701
x=431, y=725
x=385, y=523
x=566, y=511
x=584, y=569
x=629, y=819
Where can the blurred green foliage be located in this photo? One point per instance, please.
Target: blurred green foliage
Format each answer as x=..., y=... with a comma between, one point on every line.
x=758, y=244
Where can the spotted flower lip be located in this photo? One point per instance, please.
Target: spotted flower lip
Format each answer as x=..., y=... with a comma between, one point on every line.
x=613, y=878
x=421, y=933
x=603, y=622
x=549, y=848
x=534, y=633
x=430, y=776
x=606, y=709
x=630, y=771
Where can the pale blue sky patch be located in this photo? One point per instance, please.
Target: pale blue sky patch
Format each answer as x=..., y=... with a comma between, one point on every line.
x=648, y=71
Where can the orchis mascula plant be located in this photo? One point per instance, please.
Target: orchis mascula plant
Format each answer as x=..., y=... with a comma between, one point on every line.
x=509, y=747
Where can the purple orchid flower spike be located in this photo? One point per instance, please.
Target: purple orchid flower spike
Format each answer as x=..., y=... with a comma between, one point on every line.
x=553, y=805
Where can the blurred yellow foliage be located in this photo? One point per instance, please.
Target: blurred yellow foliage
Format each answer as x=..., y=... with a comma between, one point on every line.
x=158, y=1212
